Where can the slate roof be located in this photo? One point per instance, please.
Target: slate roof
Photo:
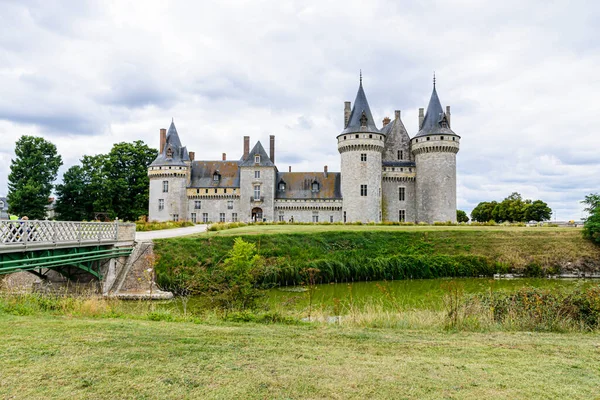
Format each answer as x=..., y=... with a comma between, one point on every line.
x=434, y=117
x=258, y=149
x=203, y=174
x=360, y=108
x=179, y=154
x=298, y=185
x=396, y=138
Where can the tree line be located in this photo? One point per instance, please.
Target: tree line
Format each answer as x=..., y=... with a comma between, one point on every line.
x=115, y=184
x=512, y=209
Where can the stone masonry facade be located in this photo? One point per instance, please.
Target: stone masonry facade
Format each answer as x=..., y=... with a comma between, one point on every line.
x=385, y=176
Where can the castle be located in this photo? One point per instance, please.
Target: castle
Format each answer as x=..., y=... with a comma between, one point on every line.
x=385, y=176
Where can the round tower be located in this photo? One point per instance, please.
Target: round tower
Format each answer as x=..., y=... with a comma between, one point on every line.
x=169, y=176
x=434, y=149
x=360, y=145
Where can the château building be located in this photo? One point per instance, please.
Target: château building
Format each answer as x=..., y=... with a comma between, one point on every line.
x=385, y=176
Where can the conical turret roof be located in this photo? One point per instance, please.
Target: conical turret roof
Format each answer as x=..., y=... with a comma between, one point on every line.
x=173, y=153
x=434, y=118
x=361, y=119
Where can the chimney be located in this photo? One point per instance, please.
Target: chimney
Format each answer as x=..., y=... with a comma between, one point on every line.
x=246, y=146
x=163, y=140
x=192, y=155
x=448, y=115
x=397, y=114
x=224, y=156
x=421, y=117
x=386, y=121
x=290, y=169
x=272, y=148
x=347, y=111
x=325, y=171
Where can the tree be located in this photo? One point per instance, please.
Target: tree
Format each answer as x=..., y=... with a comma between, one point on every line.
x=538, y=211
x=461, y=216
x=591, y=227
x=127, y=181
x=71, y=195
x=483, y=211
x=31, y=178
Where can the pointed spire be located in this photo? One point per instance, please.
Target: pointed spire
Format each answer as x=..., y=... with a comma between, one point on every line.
x=361, y=119
x=360, y=72
x=434, y=116
x=434, y=79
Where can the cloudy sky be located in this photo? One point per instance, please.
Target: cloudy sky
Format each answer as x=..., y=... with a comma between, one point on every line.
x=522, y=78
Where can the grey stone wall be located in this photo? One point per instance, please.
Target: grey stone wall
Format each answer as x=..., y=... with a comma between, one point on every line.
x=304, y=211
x=356, y=173
x=267, y=192
x=175, y=199
x=436, y=178
x=214, y=207
x=391, y=199
x=397, y=139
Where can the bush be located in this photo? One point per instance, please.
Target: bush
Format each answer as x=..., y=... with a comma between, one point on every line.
x=591, y=227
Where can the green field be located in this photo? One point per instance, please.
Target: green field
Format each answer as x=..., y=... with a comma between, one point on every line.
x=55, y=357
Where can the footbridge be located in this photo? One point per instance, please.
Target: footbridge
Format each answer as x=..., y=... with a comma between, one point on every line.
x=72, y=249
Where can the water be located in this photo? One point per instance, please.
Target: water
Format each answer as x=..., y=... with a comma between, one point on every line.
x=391, y=295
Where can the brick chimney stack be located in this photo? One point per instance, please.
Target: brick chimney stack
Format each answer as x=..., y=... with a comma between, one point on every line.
x=290, y=169
x=325, y=171
x=246, y=146
x=224, y=156
x=448, y=115
x=192, y=155
x=386, y=121
x=421, y=117
x=397, y=114
x=347, y=111
x=272, y=148
x=163, y=140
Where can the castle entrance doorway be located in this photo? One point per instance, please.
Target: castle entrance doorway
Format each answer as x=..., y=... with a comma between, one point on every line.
x=257, y=214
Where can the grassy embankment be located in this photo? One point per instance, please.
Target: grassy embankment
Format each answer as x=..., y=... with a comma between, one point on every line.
x=353, y=253
x=56, y=357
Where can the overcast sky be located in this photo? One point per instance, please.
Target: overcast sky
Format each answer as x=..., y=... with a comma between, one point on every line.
x=522, y=78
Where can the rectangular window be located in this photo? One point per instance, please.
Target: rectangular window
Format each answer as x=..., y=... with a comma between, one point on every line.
x=205, y=217
x=161, y=204
x=197, y=205
x=230, y=204
x=363, y=190
x=194, y=218
x=175, y=217
x=363, y=156
x=233, y=217
x=315, y=217
x=256, y=192
x=257, y=159
x=401, y=193
x=221, y=217
x=344, y=216
x=331, y=218
x=281, y=218
x=165, y=186
x=257, y=174
x=402, y=215
x=400, y=155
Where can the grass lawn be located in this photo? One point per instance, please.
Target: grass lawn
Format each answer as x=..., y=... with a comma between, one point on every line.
x=56, y=357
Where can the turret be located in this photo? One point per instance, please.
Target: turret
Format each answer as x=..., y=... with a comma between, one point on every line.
x=169, y=177
x=434, y=149
x=360, y=145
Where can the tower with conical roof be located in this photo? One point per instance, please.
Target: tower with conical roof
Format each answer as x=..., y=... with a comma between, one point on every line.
x=360, y=145
x=169, y=177
x=434, y=149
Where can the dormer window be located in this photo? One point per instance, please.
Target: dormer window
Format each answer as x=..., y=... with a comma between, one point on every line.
x=216, y=177
x=257, y=159
x=315, y=187
x=282, y=186
x=363, y=120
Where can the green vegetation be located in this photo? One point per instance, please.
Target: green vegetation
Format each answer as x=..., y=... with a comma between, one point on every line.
x=115, y=183
x=31, y=177
x=512, y=209
x=56, y=357
x=142, y=225
x=353, y=253
x=591, y=228
x=461, y=216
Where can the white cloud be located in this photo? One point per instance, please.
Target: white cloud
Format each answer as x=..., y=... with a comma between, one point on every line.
x=520, y=77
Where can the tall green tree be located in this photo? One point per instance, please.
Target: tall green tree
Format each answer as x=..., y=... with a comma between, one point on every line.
x=538, y=211
x=591, y=227
x=71, y=195
x=32, y=175
x=461, y=216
